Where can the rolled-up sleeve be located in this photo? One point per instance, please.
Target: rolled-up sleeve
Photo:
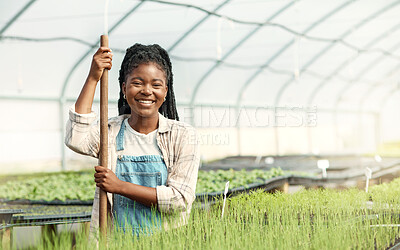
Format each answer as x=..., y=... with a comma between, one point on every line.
x=83, y=133
x=179, y=192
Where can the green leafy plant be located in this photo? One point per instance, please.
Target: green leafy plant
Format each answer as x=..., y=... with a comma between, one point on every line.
x=80, y=185
x=60, y=186
x=212, y=181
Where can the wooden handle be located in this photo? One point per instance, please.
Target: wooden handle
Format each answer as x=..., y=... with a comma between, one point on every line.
x=103, y=140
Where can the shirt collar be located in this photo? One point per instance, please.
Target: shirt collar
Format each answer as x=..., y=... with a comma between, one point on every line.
x=163, y=124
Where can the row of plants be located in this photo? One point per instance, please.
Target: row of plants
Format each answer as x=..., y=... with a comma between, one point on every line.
x=308, y=219
x=80, y=185
x=214, y=180
x=58, y=186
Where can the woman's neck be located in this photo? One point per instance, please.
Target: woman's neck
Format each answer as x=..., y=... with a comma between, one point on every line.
x=143, y=125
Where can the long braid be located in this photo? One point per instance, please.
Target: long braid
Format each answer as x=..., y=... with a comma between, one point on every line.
x=168, y=108
x=138, y=54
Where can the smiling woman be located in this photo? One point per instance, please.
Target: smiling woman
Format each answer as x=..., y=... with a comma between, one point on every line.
x=145, y=90
x=154, y=158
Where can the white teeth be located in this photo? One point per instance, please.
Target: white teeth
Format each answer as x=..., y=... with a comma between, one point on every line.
x=146, y=102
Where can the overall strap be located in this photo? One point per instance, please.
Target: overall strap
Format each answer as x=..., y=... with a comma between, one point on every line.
x=120, y=137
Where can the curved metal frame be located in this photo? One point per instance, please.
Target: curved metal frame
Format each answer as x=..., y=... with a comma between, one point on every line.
x=276, y=55
x=212, y=68
x=376, y=85
x=363, y=71
x=348, y=32
x=344, y=35
x=312, y=26
x=173, y=46
x=233, y=49
x=370, y=66
x=116, y=25
x=62, y=95
x=285, y=85
x=62, y=99
x=383, y=101
x=16, y=16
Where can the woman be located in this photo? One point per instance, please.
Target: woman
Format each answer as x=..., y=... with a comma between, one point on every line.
x=154, y=159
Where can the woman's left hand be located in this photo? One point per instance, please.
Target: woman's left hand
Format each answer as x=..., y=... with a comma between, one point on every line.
x=107, y=180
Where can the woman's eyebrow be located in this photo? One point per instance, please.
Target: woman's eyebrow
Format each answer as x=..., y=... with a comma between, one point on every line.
x=141, y=79
x=156, y=79
x=136, y=78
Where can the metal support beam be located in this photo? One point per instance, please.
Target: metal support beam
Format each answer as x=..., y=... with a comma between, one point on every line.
x=230, y=52
x=191, y=29
x=276, y=55
x=371, y=90
x=343, y=36
x=94, y=45
x=66, y=82
x=233, y=49
x=62, y=127
x=15, y=18
x=369, y=67
x=366, y=69
x=378, y=84
x=180, y=39
x=322, y=52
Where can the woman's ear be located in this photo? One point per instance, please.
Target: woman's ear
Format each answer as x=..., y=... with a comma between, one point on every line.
x=123, y=88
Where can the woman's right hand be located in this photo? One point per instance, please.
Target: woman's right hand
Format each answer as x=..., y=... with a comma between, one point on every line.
x=102, y=59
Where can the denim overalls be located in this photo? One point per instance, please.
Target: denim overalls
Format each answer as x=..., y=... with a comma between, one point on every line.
x=146, y=170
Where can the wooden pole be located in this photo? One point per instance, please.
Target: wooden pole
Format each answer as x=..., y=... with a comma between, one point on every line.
x=103, y=140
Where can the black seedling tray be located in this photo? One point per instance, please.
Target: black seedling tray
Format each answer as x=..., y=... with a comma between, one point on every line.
x=7, y=214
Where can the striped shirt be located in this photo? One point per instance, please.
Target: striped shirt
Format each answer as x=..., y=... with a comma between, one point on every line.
x=178, y=143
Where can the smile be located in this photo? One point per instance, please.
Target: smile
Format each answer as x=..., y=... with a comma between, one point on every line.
x=146, y=101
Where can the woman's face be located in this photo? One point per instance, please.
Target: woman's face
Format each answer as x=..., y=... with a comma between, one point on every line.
x=145, y=89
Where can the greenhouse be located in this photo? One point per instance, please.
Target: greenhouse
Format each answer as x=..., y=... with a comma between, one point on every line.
x=288, y=123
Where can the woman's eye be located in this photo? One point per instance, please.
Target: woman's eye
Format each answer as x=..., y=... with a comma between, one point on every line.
x=157, y=85
x=137, y=83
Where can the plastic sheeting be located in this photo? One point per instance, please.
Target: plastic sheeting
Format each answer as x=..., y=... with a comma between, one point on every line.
x=338, y=56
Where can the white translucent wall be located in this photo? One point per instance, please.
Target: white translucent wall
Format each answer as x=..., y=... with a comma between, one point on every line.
x=248, y=74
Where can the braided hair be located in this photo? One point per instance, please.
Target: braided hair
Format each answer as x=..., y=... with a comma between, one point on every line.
x=139, y=54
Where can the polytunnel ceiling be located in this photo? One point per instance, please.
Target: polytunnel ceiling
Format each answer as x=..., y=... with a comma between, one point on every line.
x=334, y=54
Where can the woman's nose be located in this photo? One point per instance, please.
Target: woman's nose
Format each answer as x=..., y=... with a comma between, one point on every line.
x=146, y=89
